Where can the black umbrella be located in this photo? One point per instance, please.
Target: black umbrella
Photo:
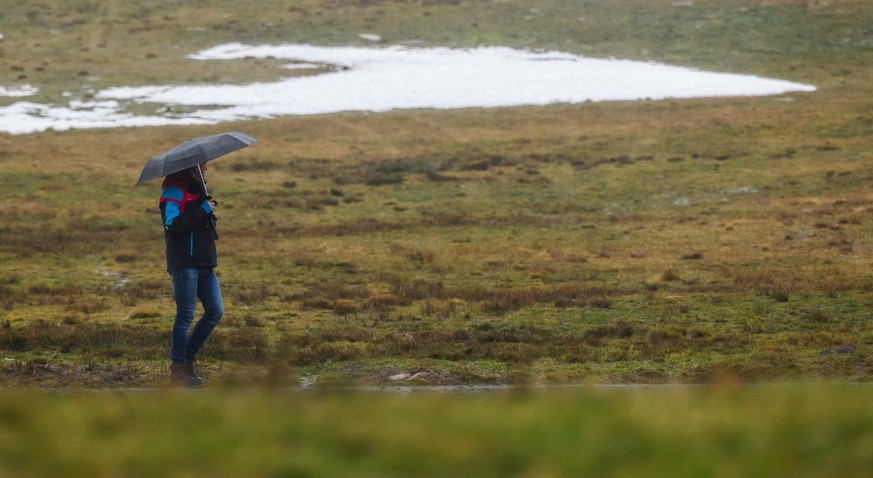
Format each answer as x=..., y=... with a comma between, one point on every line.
x=193, y=152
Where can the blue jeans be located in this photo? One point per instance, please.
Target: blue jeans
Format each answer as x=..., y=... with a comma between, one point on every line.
x=188, y=286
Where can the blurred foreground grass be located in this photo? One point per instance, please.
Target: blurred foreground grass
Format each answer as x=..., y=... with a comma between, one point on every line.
x=821, y=430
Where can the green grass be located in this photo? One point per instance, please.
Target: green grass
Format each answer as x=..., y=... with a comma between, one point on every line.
x=776, y=430
x=687, y=241
x=709, y=241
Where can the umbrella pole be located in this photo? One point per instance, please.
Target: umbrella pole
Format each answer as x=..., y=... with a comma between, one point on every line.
x=202, y=181
x=211, y=223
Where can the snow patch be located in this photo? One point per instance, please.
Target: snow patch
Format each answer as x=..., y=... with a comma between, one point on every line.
x=377, y=79
x=18, y=91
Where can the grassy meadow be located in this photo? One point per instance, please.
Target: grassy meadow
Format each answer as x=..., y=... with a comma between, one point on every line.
x=718, y=241
x=630, y=242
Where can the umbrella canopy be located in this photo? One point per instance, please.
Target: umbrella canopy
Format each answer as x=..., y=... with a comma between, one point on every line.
x=193, y=152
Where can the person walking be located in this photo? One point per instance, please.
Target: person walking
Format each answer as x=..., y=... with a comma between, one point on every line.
x=188, y=215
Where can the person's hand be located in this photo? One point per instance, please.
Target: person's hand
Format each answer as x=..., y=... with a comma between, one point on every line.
x=212, y=202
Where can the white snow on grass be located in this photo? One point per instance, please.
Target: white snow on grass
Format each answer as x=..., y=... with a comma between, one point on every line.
x=18, y=91
x=376, y=79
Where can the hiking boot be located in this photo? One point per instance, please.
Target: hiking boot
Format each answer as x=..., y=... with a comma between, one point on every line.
x=183, y=374
x=189, y=362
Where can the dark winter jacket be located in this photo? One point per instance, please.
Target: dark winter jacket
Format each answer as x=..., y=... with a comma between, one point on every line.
x=189, y=224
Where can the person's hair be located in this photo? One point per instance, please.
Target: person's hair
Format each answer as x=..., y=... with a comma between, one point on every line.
x=191, y=172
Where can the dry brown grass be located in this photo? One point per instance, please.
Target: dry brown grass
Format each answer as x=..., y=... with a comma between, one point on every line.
x=617, y=235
